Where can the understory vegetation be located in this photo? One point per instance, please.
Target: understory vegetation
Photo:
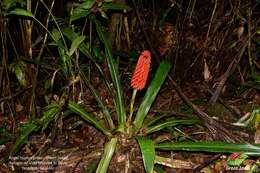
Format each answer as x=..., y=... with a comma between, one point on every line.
x=129, y=86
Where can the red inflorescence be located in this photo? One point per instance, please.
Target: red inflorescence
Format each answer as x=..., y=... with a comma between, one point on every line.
x=140, y=75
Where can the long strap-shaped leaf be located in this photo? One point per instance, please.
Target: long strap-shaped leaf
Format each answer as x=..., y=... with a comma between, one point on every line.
x=78, y=109
x=23, y=137
x=106, y=158
x=211, y=146
x=151, y=93
x=114, y=75
x=49, y=115
x=169, y=123
x=148, y=153
x=104, y=109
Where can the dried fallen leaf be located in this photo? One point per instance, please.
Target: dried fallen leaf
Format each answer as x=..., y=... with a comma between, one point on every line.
x=206, y=73
x=18, y=107
x=207, y=170
x=257, y=136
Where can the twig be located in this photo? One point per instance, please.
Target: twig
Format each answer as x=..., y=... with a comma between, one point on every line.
x=232, y=66
x=34, y=83
x=171, y=113
x=217, y=130
x=206, y=163
x=250, y=58
x=75, y=166
x=145, y=33
x=191, y=65
x=127, y=164
x=210, y=22
x=5, y=87
x=14, y=95
x=4, y=168
x=12, y=43
x=12, y=117
x=166, y=13
x=232, y=110
x=127, y=33
x=192, y=9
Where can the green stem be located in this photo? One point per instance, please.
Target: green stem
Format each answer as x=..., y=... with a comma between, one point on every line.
x=132, y=102
x=56, y=23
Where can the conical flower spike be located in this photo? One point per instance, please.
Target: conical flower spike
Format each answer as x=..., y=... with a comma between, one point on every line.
x=141, y=71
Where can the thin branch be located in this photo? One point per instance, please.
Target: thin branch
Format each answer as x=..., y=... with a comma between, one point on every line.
x=206, y=163
x=217, y=130
x=211, y=21
x=231, y=68
x=32, y=108
x=145, y=33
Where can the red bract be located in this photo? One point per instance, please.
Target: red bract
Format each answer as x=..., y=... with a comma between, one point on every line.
x=140, y=75
x=234, y=156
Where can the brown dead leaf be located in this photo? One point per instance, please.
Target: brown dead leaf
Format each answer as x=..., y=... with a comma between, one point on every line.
x=18, y=107
x=207, y=170
x=206, y=73
x=257, y=136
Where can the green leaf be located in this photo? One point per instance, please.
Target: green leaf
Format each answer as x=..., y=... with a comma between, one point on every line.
x=211, y=146
x=237, y=161
x=258, y=30
x=115, y=6
x=119, y=102
x=170, y=123
x=22, y=12
x=255, y=118
x=92, y=166
x=149, y=121
x=66, y=64
x=104, y=109
x=8, y=4
x=49, y=114
x=18, y=68
x=107, y=156
x=5, y=135
x=148, y=153
x=97, y=53
x=75, y=44
x=56, y=35
x=47, y=83
x=159, y=169
x=20, y=74
x=87, y=4
x=232, y=44
x=79, y=13
x=28, y=128
x=84, y=48
x=74, y=107
x=104, y=15
x=69, y=33
x=151, y=93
